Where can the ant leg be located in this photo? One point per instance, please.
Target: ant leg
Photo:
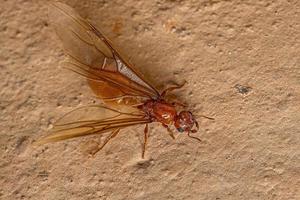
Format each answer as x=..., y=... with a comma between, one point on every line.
x=169, y=131
x=194, y=137
x=169, y=89
x=112, y=135
x=146, y=135
x=177, y=103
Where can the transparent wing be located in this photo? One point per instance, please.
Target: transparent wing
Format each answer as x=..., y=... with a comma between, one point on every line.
x=91, y=120
x=89, y=51
x=113, y=88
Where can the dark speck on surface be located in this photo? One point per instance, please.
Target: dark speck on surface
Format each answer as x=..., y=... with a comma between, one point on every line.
x=242, y=89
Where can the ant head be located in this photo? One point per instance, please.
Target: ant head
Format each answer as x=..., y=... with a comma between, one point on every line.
x=185, y=121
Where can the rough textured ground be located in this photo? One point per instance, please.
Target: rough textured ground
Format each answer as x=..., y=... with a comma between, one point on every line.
x=242, y=61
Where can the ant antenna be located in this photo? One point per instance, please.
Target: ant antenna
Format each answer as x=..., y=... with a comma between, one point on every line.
x=193, y=137
x=210, y=118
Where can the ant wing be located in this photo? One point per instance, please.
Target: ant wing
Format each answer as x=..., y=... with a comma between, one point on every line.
x=91, y=120
x=89, y=53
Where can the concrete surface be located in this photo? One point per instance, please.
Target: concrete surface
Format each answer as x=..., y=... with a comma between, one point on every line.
x=242, y=63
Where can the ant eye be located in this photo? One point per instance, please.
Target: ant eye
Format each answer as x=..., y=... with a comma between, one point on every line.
x=180, y=129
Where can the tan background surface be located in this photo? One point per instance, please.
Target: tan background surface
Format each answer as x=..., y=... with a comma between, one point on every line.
x=242, y=62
